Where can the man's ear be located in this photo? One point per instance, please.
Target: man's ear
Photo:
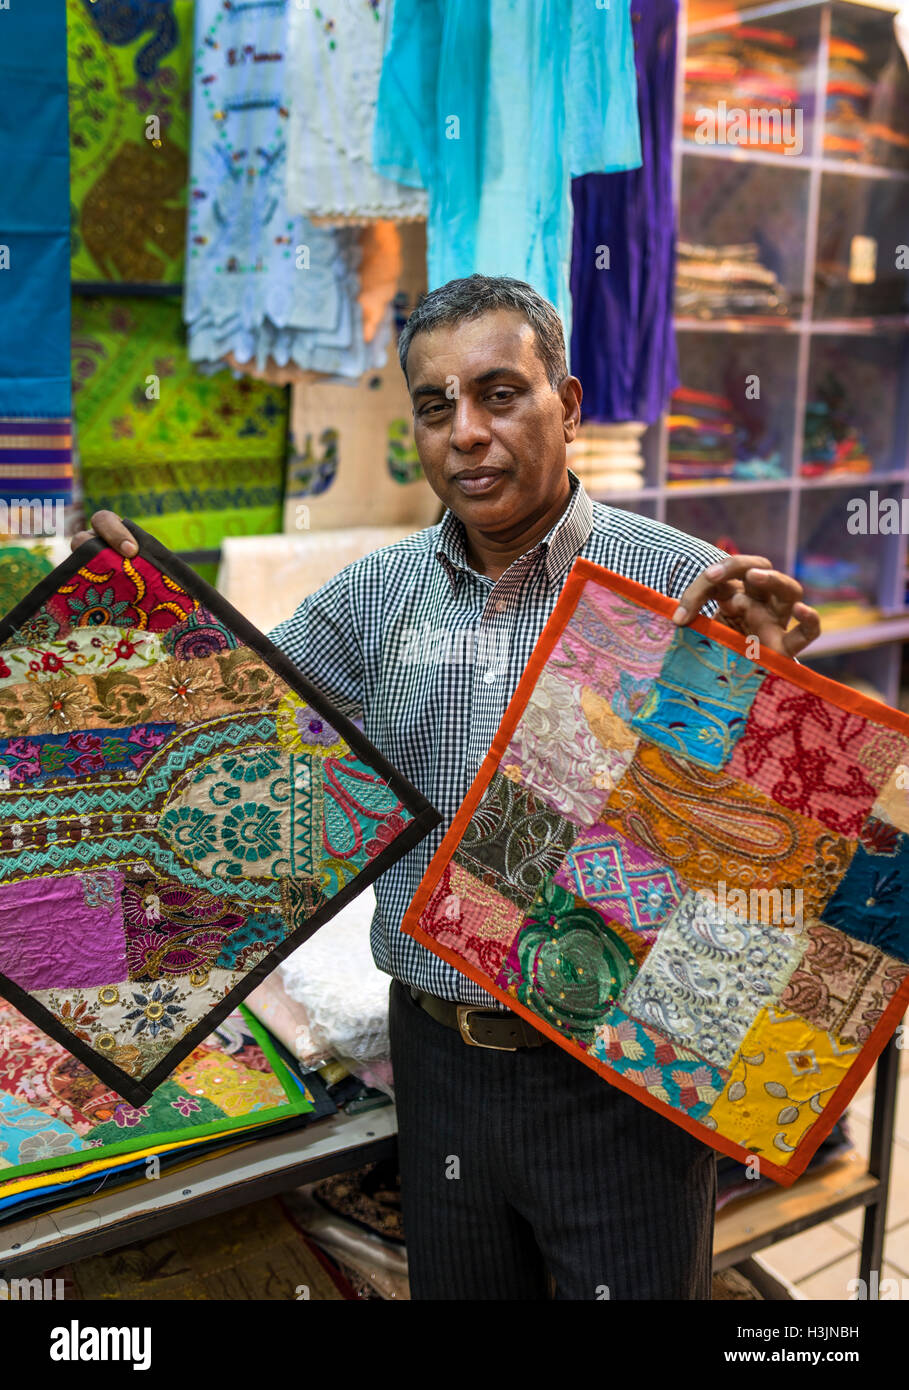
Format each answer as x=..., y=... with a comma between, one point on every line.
x=571, y=392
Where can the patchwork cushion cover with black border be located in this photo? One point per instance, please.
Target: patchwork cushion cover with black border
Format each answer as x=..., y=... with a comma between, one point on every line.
x=179, y=810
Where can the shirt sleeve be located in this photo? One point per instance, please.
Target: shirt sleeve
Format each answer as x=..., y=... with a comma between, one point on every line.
x=323, y=641
x=603, y=128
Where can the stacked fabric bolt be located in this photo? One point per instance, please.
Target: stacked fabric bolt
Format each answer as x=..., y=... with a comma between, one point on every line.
x=701, y=436
x=829, y=580
x=833, y=440
x=608, y=458
x=866, y=106
x=65, y=1134
x=849, y=89
x=746, y=67
x=707, y=440
x=714, y=281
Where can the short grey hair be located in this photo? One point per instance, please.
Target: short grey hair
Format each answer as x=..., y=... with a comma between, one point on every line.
x=483, y=294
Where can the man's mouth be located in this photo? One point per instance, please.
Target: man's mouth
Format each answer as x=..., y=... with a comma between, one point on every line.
x=474, y=481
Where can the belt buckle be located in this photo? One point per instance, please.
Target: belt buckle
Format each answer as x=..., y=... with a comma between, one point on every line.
x=467, y=1036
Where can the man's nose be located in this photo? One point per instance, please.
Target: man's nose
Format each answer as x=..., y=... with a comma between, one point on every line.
x=469, y=425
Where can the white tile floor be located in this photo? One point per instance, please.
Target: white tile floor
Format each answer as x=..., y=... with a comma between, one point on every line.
x=821, y=1262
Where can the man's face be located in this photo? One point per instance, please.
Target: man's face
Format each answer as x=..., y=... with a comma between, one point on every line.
x=488, y=427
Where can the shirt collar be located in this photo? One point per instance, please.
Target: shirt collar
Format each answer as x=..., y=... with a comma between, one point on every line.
x=560, y=544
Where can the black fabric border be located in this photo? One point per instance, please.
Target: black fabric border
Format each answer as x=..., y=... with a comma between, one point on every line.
x=425, y=816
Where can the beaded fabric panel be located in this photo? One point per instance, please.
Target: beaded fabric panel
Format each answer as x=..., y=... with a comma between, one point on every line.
x=689, y=868
x=179, y=809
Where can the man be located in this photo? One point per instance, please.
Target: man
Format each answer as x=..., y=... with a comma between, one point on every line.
x=519, y=1165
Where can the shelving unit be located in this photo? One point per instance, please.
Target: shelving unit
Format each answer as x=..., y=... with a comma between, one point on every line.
x=792, y=204
x=777, y=516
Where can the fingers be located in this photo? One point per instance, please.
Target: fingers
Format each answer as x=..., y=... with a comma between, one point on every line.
x=780, y=591
x=807, y=628
x=716, y=582
x=754, y=599
x=110, y=528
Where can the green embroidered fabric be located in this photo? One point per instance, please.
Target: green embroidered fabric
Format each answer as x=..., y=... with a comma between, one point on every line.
x=129, y=105
x=196, y=457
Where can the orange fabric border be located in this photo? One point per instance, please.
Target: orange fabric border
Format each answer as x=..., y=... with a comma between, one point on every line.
x=583, y=571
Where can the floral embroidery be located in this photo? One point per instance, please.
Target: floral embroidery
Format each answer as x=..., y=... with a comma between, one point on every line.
x=806, y=754
x=301, y=729
x=154, y=1011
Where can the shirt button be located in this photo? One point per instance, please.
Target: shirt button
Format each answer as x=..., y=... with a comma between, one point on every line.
x=501, y=605
x=490, y=677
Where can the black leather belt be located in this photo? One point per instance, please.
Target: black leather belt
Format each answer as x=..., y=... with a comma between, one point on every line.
x=480, y=1027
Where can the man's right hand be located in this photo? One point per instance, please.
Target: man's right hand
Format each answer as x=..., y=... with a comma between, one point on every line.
x=110, y=528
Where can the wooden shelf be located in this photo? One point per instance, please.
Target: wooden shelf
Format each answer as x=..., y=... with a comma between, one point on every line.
x=749, y=1224
x=207, y=1187
x=748, y=154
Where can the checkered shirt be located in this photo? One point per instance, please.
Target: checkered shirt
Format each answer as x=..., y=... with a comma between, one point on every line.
x=427, y=653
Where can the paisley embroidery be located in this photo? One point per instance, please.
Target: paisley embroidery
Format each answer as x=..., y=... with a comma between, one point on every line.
x=708, y=976
x=709, y=827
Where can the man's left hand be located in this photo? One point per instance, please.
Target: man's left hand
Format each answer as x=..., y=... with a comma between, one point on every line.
x=755, y=599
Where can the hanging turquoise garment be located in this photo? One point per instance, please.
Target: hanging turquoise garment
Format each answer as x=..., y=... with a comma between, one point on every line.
x=35, y=426
x=493, y=105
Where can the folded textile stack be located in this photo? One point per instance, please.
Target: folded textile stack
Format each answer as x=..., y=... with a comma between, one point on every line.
x=64, y=1132
x=716, y=281
x=866, y=117
x=707, y=440
x=828, y=579
x=355, y=1219
x=747, y=68
x=849, y=89
x=834, y=442
x=608, y=458
x=328, y=1000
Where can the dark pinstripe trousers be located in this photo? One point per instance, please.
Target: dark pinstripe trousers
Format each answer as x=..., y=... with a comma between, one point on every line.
x=518, y=1166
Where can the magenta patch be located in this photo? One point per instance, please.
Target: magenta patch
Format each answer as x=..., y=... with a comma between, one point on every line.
x=63, y=932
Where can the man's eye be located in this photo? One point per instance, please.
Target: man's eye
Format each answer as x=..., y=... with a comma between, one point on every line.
x=433, y=409
x=503, y=394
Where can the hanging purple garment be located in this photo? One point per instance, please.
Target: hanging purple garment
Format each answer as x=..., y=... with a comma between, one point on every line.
x=622, y=341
